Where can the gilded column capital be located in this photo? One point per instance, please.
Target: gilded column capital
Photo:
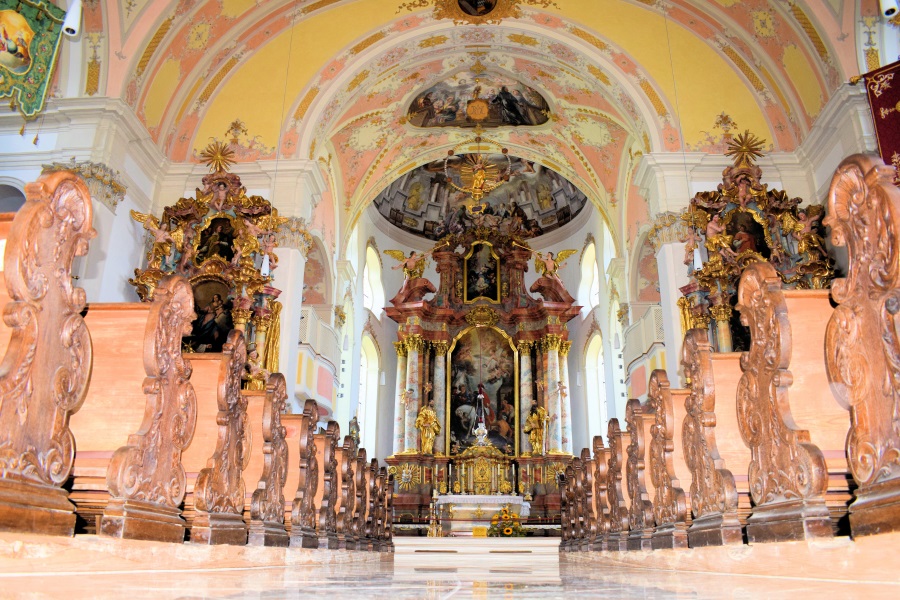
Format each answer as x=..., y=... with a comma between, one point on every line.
x=551, y=341
x=564, y=348
x=524, y=345
x=400, y=347
x=440, y=347
x=240, y=316
x=414, y=343
x=721, y=312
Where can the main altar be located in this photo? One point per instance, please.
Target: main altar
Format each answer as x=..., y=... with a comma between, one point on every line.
x=477, y=350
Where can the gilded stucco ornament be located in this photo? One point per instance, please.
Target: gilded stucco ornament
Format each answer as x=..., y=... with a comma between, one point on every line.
x=469, y=12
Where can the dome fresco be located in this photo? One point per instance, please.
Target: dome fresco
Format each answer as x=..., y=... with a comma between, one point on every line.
x=425, y=203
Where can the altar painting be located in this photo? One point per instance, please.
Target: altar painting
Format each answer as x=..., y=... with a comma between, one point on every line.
x=213, y=306
x=482, y=362
x=482, y=277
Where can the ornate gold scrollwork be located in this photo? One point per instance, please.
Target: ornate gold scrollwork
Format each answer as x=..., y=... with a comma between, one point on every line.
x=482, y=316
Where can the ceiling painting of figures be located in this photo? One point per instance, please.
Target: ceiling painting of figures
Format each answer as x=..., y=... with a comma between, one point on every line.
x=467, y=99
x=529, y=201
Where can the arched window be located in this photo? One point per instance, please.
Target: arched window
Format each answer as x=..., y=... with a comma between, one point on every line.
x=367, y=408
x=595, y=375
x=609, y=248
x=589, y=288
x=373, y=290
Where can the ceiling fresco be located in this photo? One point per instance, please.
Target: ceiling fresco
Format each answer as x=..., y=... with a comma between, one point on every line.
x=477, y=96
x=531, y=200
x=341, y=82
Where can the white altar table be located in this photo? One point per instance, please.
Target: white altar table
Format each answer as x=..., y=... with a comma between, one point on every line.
x=473, y=510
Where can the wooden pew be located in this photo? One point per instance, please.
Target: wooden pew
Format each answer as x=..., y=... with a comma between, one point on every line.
x=667, y=467
x=362, y=500
x=347, y=493
x=267, y=504
x=303, y=509
x=601, y=497
x=590, y=524
x=219, y=491
x=330, y=485
x=145, y=477
x=787, y=474
x=862, y=350
x=48, y=336
x=618, y=500
x=640, y=512
x=567, y=509
x=714, y=498
x=372, y=510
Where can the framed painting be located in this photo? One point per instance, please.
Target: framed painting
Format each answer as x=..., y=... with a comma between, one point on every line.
x=482, y=274
x=213, y=307
x=216, y=239
x=483, y=385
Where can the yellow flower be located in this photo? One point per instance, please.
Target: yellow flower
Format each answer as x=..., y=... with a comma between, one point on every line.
x=505, y=515
x=495, y=519
x=507, y=531
x=515, y=516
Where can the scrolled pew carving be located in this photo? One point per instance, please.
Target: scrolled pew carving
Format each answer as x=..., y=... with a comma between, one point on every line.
x=48, y=336
x=372, y=511
x=380, y=521
x=219, y=491
x=601, y=498
x=146, y=478
x=862, y=340
x=579, y=513
x=714, y=497
x=328, y=534
x=618, y=508
x=566, y=508
x=388, y=545
x=640, y=513
x=303, y=510
x=348, y=495
x=267, y=502
x=590, y=523
x=669, y=501
x=362, y=500
x=787, y=474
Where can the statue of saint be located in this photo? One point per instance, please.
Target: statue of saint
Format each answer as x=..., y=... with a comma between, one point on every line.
x=428, y=426
x=534, y=427
x=717, y=240
x=354, y=429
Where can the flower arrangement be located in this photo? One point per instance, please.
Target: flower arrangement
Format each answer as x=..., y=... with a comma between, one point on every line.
x=506, y=524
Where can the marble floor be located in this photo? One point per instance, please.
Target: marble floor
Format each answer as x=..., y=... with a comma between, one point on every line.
x=94, y=568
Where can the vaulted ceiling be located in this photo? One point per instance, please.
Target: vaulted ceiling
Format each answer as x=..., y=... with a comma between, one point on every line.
x=331, y=81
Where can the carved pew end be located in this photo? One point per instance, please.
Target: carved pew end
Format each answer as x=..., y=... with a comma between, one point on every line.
x=877, y=511
x=265, y=533
x=219, y=528
x=715, y=530
x=139, y=520
x=35, y=508
x=789, y=521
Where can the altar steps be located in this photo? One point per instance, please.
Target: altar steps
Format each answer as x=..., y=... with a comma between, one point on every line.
x=470, y=546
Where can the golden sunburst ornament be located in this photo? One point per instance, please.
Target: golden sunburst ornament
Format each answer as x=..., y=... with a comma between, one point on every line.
x=745, y=148
x=217, y=156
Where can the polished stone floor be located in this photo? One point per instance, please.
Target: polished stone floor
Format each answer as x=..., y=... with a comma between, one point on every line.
x=101, y=569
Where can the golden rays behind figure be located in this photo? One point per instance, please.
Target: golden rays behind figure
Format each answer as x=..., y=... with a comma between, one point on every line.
x=477, y=173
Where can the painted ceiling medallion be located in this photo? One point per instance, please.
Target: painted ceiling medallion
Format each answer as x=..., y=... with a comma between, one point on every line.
x=475, y=12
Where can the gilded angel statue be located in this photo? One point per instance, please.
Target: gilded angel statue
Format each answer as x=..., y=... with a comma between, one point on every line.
x=413, y=265
x=547, y=266
x=163, y=239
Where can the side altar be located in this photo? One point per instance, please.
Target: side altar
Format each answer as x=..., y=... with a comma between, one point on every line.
x=481, y=350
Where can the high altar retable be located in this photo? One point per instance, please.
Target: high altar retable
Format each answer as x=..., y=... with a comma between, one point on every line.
x=482, y=348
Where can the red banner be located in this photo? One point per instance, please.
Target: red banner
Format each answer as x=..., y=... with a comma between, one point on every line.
x=883, y=89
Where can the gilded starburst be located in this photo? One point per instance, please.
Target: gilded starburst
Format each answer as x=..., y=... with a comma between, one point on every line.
x=745, y=148
x=217, y=156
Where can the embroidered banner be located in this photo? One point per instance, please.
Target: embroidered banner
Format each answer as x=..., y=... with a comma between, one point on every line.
x=883, y=89
x=29, y=42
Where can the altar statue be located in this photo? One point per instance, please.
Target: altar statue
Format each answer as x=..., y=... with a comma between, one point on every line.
x=717, y=240
x=534, y=427
x=428, y=426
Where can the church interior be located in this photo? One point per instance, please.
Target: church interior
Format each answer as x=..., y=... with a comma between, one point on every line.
x=450, y=298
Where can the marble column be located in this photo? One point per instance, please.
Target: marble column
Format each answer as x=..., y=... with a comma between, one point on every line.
x=414, y=347
x=440, y=393
x=399, y=408
x=722, y=314
x=526, y=393
x=551, y=343
x=565, y=397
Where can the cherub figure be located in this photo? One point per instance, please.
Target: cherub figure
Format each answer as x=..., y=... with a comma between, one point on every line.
x=547, y=266
x=691, y=243
x=413, y=265
x=716, y=238
x=163, y=239
x=220, y=196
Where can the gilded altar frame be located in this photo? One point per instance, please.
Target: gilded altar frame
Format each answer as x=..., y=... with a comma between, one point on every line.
x=449, y=377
